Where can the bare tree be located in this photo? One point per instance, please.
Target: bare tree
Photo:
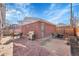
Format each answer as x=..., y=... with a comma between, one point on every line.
x=2, y=19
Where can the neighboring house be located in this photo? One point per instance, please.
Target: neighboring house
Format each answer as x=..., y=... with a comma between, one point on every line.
x=65, y=29
x=42, y=28
x=68, y=29
x=77, y=27
x=77, y=31
x=12, y=28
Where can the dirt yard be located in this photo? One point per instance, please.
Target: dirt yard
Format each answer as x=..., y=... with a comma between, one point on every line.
x=23, y=47
x=42, y=47
x=53, y=47
x=58, y=47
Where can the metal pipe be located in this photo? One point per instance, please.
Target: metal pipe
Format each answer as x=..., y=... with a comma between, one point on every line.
x=72, y=21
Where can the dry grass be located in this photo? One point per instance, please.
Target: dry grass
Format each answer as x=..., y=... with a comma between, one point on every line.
x=6, y=50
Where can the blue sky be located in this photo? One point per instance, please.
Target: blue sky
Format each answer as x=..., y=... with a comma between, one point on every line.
x=54, y=13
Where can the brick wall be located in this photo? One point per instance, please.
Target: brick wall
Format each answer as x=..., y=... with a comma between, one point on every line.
x=36, y=26
x=49, y=29
x=67, y=30
x=77, y=31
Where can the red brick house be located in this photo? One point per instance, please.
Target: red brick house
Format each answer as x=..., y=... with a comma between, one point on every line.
x=66, y=30
x=77, y=27
x=77, y=30
x=42, y=28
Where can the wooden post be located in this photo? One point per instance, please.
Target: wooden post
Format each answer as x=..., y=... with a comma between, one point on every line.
x=71, y=21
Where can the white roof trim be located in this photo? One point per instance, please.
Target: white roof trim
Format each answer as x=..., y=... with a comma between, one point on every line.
x=35, y=20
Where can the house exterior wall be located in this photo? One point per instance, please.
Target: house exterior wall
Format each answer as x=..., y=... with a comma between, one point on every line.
x=49, y=29
x=36, y=27
x=67, y=30
x=60, y=30
x=77, y=31
x=17, y=29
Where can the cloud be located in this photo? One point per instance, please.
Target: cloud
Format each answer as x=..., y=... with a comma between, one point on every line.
x=18, y=12
x=23, y=4
x=75, y=4
x=12, y=12
x=57, y=15
x=49, y=10
x=60, y=14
